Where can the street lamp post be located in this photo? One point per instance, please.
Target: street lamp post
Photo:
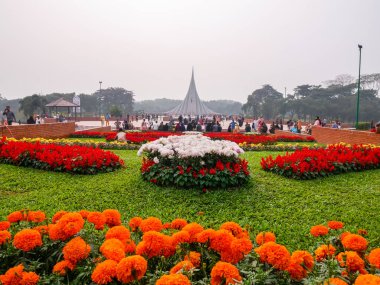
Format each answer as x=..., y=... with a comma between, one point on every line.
x=357, y=100
x=100, y=98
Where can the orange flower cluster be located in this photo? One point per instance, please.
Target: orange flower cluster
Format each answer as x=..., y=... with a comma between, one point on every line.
x=223, y=271
x=182, y=266
x=123, y=234
x=264, y=237
x=335, y=281
x=17, y=276
x=27, y=240
x=354, y=242
x=113, y=249
x=173, y=279
x=62, y=267
x=319, y=230
x=367, y=279
x=300, y=263
x=274, y=254
x=178, y=224
x=373, y=257
x=76, y=250
x=351, y=261
x=5, y=236
x=194, y=257
x=4, y=225
x=151, y=224
x=155, y=244
x=335, y=225
x=98, y=219
x=67, y=225
x=324, y=251
x=134, y=223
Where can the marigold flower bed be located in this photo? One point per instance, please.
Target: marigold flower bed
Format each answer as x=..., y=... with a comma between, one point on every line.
x=96, y=248
x=73, y=159
x=312, y=163
x=193, y=161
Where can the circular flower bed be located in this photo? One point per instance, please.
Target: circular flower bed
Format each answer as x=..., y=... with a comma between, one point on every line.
x=193, y=161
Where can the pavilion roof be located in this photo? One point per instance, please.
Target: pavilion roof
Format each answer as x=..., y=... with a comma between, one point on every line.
x=61, y=103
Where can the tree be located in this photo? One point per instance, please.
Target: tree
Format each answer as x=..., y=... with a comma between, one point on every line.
x=32, y=104
x=116, y=96
x=115, y=111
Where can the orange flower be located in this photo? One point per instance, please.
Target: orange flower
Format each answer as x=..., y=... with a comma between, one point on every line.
x=36, y=216
x=232, y=227
x=113, y=249
x=76, y=250
x=4, y=225
x=98, y=219
x=57, y=216
x=343, y=235
x=61, y=267
x=43, y=230
x=104, y=272
x=134, y=223
x=264, y=237
x=193, y=229
x=335, y=281
x=300, y=263
x=5, y=236
x=182, y=266
x=113, y=217
x=17, y=276
x=355, y=242
x=129, y=246
x=194, y=257
x=241, y=245
x=27, y=240
x=15, y=217
x=178, y=224
x=373, y=257
x=362, y=232
x=335, y=225
x=206, y=236
x=166, y=226
x=180, y=237
x=367, y=279
x=324, y=251
x=223, y=271
x=84, y=213
x=173, y=279
x=221, y=240
x=151, y=224
x=274, y=254
x=352, y=261
x=29, y=278
x=319, y=230
x=118, y=232
x=67, y=225
x=131, y=268
x=155, y=244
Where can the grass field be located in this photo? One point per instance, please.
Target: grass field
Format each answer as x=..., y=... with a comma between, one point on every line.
x=268, y=202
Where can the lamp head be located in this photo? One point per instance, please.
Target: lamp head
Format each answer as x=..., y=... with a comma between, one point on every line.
x=360, y=46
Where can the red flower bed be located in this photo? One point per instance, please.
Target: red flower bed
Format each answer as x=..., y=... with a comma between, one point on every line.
x=143, y=137
x=313, y=163
x=74, y=159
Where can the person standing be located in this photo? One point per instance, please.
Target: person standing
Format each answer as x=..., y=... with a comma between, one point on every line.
x=102, y=119
x=108, y=117
x=10, y=115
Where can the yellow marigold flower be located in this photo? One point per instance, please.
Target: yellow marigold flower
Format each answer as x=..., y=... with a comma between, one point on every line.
x=76, y=250
x=131, y=268
x=27, y=240
x=104, y=272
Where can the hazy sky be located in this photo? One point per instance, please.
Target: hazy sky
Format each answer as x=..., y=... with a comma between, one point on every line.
x=150, y=46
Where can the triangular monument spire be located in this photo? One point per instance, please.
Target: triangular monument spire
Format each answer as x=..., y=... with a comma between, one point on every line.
x=192, y=104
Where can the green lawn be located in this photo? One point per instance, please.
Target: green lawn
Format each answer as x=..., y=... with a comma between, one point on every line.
x=268, y=202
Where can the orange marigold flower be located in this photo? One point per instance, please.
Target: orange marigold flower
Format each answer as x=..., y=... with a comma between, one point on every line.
x=118, y=232
x=104, y=272
x=335, y=281
x=223, y=271
x=36, y=216
x=151, y=224
x=232, y=227
x=166, y=226
x=367, y=279
x=155, y=244
x=113, y=249
x=84, y=213
x=76, y=250
x=4, y=225
x=343, y=235
x=173, y=279
x=68, y=225
x=134, y=223
x=362, y=232
x=222, y=240
x=62, y=267
x=98, y=219
x=113, y=217
x=355, y=242
x=181, y=237
x=300, y=263
x=241, y=245
x=15, y=217
x=373, y=257
x=43, y=230
x=178, y=224
x=57, y=216
x=29, y=278
x=264, y=237
x=193, y=229
x=335, y=225
x=27, y=240
x=5, y=236
x=206, y=235
x=129, y=246
x=319, y=230
x=131, y=268
x=194, y=257
x=324, y=251
x=352, y=261
x=182, y=266
x=274, y=254
x=12, y=276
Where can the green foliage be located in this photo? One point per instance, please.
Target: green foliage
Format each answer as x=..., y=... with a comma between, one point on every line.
x=34, y=104
x=115, y=111
x=363, y=126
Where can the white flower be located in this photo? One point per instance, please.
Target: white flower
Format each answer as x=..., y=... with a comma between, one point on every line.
x=156, y=160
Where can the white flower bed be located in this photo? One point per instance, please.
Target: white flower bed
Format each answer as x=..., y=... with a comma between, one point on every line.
x=190, y=146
